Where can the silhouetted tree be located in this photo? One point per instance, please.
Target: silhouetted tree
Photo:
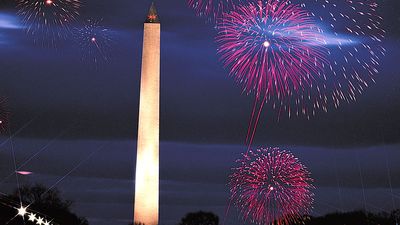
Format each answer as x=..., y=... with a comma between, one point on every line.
x=395, y=215
x=354, y=218
x=200, y=218
x=40, y=200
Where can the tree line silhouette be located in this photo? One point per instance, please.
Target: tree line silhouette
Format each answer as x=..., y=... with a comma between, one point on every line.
x=50, y=205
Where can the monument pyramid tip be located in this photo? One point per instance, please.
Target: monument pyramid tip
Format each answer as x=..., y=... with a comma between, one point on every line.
x=152, y=16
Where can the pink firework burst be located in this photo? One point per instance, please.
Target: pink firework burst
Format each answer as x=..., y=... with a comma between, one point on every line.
x=271, y=186
x=48, y=19
x=301, y=57
x=212, y=9
x=274, y=50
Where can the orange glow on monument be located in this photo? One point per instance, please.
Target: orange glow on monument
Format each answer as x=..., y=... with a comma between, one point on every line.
x=147, y=161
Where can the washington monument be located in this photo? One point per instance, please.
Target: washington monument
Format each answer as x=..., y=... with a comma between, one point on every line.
x=147, y=160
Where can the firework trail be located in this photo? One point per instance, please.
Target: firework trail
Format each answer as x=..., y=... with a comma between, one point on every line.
x=94, y=40
x=301, y=58
x=48, y=20
x=212, y=9
x=271, y=186
x=33, y=156
x=17, y=132
x=4, y=115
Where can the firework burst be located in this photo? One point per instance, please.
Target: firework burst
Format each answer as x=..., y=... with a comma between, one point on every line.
x=94, y=40
x=271, y=186
x=353, y=34
x=212, y=9
x=274, y=50
x=301, y=58
x=48, y=20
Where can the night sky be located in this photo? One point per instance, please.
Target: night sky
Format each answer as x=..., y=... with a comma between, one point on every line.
x=71, y=110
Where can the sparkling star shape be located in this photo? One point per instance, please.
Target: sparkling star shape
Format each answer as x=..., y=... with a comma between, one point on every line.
x=32, y=217
x=39, y=221
x=22, y=211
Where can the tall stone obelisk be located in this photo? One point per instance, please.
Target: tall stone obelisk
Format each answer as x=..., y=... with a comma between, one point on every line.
x=147, y=161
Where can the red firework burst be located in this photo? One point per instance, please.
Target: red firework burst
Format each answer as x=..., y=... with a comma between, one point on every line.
x=271, y=186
